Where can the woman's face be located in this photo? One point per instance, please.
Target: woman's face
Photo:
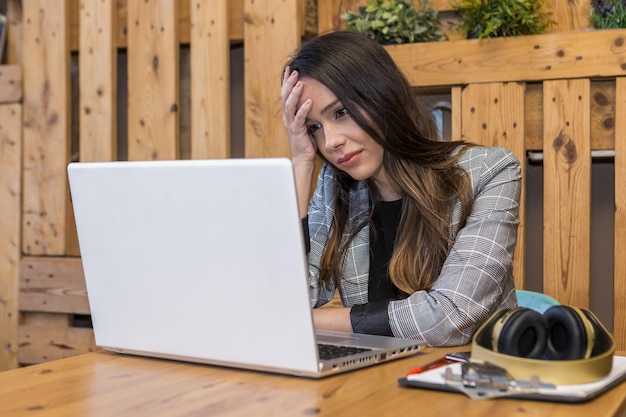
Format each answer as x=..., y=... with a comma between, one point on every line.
x=340, y=140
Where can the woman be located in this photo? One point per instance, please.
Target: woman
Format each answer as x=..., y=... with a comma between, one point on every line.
x=417, y=234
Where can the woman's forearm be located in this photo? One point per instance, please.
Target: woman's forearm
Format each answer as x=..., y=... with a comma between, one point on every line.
x=335, y=319
x=303, y=174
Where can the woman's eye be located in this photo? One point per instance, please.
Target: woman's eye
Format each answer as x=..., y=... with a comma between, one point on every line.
x=341, y=112
x=311, y=129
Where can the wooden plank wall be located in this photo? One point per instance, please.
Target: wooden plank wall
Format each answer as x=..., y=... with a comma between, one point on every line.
x=574, y=82
x=10, y=207
x=567, y=190
x=561, y=93
x=210, y=119
x=619, y=287
x=44, y=275
x=46, y=70
x=566, y=101
x=98, y=82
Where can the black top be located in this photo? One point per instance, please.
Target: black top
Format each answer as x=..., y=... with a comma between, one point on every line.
x=382, y=241
x=372, y=317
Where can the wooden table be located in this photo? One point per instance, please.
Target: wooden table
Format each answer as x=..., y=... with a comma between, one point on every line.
x=108, y=384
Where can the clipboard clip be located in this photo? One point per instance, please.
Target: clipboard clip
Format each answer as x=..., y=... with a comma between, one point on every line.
x=483, y=380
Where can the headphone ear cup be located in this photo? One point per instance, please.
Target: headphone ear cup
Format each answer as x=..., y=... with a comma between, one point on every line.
x=570, y=334
x=522, y=332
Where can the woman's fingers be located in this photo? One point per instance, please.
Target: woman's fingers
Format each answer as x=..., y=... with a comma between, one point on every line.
x=290, y=94
x=294, y=117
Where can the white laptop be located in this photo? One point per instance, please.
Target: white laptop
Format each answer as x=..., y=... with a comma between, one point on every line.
x=204, y=261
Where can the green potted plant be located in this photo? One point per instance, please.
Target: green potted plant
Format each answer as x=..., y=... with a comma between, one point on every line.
x=608, y=14
x=396, y=22
x=499, y=18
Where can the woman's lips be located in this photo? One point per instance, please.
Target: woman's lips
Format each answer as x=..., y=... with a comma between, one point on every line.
x=348, y=159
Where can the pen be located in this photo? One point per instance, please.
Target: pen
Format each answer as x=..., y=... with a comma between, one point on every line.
x=430, y=365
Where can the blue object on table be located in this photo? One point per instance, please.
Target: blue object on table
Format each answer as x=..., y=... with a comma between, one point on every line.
x=535, y=300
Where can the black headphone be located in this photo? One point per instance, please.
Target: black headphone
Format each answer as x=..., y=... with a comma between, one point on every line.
x=565, y=344
x=561, y=333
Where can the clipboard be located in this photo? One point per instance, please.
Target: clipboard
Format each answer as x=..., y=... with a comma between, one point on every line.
x=579, y=393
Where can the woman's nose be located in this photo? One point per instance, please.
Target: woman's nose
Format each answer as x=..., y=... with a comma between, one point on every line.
x=333, y=139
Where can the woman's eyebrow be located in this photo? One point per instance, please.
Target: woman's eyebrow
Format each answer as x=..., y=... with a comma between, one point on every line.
x=325, y=109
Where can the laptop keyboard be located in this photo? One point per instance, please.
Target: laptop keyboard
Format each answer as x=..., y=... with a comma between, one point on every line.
x=334, y=351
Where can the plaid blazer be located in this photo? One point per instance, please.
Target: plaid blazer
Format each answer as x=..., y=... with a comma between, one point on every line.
x=476, y=278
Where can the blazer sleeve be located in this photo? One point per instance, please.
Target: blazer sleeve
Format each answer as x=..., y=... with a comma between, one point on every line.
x=476, y=278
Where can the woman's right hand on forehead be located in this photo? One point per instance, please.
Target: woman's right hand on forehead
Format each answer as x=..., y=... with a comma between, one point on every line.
x=302, y=147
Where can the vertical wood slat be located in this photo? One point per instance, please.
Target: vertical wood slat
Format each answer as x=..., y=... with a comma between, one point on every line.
x=619, y=275
x=46, y=110
x=569, y=15
x=271, y=33
x=329, y=14
x=10, y=83
x=153, y=69
x=10, y=213
x=602, y=123
x=456, y=103
x=235, y=20
x=13, y=47
x=97, y=81
x=567, y=190
x=210, y=80
x=493, y=115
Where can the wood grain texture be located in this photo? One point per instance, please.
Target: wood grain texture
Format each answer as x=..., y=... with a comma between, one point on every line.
x=46, y=75
x=47, y=337
x=569, y=15
x=619, y=274
x=602, y=115
x=97, y=81
x=456, y=103
x=235, y=22
x=272, y=32
x=210, y=80
x=523, y=58
x=10, y=213
x=533, y=120
x=153, y=69
x=10, y=83
x=50, y=284
x=13, y=47
x=567, y=191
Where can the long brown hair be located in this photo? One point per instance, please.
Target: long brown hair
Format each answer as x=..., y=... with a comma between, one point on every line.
x=381, y=101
